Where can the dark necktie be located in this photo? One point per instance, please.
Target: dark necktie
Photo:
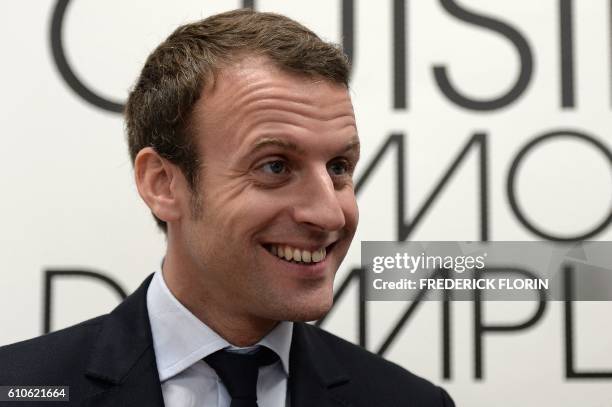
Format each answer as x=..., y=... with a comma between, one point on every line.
x=239, y=371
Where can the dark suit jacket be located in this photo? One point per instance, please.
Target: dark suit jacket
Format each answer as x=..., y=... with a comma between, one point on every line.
x=109, y=361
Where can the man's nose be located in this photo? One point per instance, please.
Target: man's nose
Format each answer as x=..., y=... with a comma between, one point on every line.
x=319, y=205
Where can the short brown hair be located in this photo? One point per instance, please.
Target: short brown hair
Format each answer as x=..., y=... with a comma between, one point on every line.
x=159, y=107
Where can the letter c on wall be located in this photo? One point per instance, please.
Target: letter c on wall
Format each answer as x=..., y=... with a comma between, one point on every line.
x=57, y=49
x=59, y=57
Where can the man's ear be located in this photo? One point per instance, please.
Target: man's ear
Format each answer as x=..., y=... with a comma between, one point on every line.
x=160, y=184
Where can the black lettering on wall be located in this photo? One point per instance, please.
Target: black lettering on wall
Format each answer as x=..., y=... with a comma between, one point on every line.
x=52, y=274
x=478, y=140
x=396, y=140
x=446, y=333
x=348, y=30
x=404, y=230
x=71, y=79
x=570, y=370
x=446, y=326
x=362, y=309
x=400, y=50
x=67, y=73
x=511, y=184
x=480, y=328
x=610, y=46
x=566, y=31
x=504, y=29
x=78, y=86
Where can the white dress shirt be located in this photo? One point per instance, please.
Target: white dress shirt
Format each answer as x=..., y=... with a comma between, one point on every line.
x=181, y=341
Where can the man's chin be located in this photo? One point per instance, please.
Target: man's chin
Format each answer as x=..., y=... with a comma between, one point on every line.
x=308, y=312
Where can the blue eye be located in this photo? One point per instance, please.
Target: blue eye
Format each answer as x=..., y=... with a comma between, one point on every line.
x=275, y=167
x=338, y=168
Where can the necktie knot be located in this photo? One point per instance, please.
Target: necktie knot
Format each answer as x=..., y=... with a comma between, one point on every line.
x=239, y=371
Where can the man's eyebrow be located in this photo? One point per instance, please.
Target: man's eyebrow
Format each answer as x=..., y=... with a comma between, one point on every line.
x=274, y=141
x=353, y=144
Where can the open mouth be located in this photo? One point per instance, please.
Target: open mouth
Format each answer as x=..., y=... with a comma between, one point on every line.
x=299, y=256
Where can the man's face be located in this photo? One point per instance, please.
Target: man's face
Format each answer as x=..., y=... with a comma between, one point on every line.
x=278, y=153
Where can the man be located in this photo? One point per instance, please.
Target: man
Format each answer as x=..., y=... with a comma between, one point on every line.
x=244, y=142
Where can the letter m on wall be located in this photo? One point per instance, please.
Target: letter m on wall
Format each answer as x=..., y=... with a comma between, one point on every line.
x=394, y=148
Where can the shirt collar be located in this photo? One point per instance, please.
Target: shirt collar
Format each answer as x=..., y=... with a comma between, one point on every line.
x=180, y=339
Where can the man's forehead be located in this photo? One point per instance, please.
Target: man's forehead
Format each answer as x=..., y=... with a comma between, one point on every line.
x=256, y=94
x=259, y=73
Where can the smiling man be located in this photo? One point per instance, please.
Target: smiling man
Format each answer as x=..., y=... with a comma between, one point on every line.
x=259, y=236
x=244, y=143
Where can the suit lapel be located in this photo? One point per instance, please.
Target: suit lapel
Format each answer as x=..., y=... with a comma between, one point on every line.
x=315, y=377
x=122, y=368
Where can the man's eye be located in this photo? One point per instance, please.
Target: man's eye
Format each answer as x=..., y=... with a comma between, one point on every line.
x=274, y=167
x=340, y=167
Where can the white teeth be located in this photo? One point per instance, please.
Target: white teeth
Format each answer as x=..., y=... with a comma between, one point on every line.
x=293, y=254
x=288, y=253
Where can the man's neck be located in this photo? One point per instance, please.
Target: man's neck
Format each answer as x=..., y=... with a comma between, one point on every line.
x=239, y=329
